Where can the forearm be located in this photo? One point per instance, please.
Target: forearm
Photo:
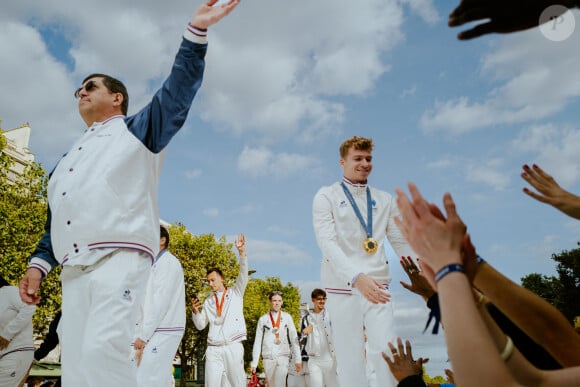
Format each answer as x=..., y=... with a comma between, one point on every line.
x=520, y=368
x=472, y=351
x=548, y=327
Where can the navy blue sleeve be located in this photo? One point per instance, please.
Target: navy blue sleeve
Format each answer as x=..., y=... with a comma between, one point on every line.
x=157, y=123
x=44, y=248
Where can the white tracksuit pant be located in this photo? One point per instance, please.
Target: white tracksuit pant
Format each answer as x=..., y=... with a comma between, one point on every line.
x=155, y=368
x=13, y=367
x=100, y=306
x=276, y=371
x=353, y=317
x=225, y=363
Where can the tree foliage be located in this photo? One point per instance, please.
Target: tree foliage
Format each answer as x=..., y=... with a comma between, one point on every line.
x=22, y=219
x=562, y=291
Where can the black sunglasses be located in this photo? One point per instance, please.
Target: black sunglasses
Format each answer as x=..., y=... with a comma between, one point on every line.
x=89, y=86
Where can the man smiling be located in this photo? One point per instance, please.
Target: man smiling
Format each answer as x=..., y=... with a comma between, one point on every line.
x=351, y=221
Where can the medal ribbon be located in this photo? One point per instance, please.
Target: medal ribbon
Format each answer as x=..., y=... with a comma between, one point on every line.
x=368, y=227
x=276, y=324
x=219, y=305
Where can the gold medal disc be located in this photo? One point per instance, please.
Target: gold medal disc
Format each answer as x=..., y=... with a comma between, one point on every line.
x=370, y=245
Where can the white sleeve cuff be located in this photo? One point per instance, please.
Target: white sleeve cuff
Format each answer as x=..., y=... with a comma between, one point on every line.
x=41, y=265
x=195, y=35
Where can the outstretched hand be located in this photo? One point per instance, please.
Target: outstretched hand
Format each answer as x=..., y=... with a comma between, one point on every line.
x=29, y=286
x=403, y=364
x=208, y=14
x=503, y=16
x=241, y=244
x=550, y=192
x=419, y=284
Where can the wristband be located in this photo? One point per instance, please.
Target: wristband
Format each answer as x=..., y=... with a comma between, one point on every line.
x=508, y=350
x=479, y=259
x=448, y=269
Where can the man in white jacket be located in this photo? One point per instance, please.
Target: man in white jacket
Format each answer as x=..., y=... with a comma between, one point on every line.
x=161, y=328
x=319, y=344
x=16, y=341
x=351, y=223
x=275, y=337
x=223, y=310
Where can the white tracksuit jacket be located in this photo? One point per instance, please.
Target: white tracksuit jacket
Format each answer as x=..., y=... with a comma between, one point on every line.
x=233, y=328
x=340, y=235
x=264, y=341
x=164, y=306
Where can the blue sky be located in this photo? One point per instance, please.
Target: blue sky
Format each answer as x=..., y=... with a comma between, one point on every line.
x=285, y=84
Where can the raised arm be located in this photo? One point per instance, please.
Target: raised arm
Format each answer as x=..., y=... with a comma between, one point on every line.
x=532, y=314
x=242, y=280
x=550, y=192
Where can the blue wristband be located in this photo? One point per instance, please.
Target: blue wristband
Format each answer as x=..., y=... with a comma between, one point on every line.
x=448, y=269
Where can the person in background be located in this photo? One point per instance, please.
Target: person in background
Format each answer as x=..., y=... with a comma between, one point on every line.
x=163, y=323
x=223, y=310
x=275, y=338
x=16, y=340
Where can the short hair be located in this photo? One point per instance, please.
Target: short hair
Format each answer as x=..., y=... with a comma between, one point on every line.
x=317, y=293
x=114, y=86
x=358, y=143
x=3, y=282
x=163, y=233
x=215, y=270
x=274, y=293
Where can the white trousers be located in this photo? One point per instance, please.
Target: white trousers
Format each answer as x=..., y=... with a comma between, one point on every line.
x=322, y=372
x=353, y=317
x=276, y=371
x=224, y=366
x=296, y=379
x=100, y=306
x=14, y=366
x=155, y=369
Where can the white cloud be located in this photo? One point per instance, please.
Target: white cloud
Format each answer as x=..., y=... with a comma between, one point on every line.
x=490, y=172
x=211, y=212
x=425, y=9
x=536, y=80
x=281, y=253
x=555, y=149
x=193, y=173
x=259, y=162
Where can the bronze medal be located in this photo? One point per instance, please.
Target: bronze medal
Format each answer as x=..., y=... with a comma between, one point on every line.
x=370, y=245
x=277, y=342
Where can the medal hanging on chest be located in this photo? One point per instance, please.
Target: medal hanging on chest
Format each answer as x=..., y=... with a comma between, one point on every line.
x=219, y=320
x=370, y=244
x=276, y=327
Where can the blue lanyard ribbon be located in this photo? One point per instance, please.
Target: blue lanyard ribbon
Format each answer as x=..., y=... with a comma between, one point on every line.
x=368, y=227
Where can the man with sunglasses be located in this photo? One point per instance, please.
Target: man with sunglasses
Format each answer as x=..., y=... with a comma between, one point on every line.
x=319, y=345
x=103, y=222
x=275, y=337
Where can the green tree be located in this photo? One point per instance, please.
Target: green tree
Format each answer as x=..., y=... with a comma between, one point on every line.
x=22, y=220
x=562, y=291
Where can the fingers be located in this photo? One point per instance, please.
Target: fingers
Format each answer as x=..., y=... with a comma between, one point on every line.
x=477, y=31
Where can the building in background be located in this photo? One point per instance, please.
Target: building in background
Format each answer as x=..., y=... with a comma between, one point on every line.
x=17, y=148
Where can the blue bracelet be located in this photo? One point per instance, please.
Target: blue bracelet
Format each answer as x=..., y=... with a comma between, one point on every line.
x=448, y=269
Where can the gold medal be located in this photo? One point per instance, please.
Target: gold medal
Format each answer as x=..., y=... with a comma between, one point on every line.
x=370, y=245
